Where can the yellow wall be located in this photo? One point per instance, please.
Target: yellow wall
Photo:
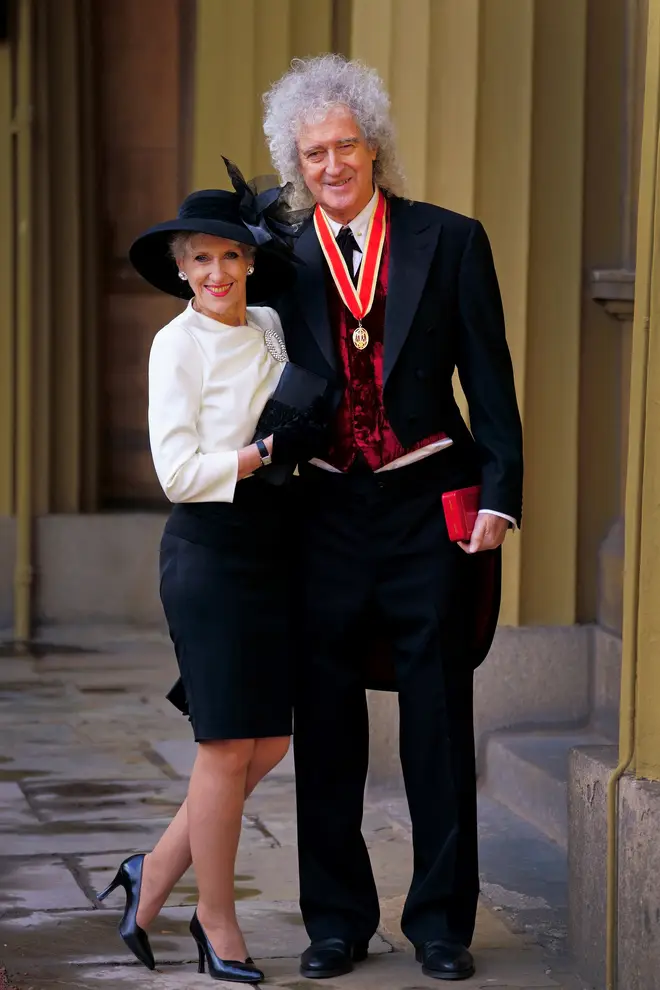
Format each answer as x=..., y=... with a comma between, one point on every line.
x=508, y=110
x=241, y=48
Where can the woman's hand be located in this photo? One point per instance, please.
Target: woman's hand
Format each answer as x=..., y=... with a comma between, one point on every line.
x=488, y=533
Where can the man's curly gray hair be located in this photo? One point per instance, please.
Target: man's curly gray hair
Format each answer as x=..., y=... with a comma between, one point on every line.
x=307, y=92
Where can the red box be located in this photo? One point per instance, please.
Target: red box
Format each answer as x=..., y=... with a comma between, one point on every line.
x=461, y=508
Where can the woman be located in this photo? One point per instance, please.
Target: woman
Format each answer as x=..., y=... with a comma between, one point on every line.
x=224, y=551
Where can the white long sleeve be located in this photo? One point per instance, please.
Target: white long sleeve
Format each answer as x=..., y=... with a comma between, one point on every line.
x=208, y=384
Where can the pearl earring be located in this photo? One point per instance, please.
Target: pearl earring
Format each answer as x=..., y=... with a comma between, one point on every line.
x=250, y=270
x=183, y=276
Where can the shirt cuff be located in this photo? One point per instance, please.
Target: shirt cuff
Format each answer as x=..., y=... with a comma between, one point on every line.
x=502, y=515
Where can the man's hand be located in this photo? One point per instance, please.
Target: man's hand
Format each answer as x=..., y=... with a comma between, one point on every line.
x=488, y=533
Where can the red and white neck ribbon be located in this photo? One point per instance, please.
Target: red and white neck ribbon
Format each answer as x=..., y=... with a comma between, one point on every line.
x=358, y=298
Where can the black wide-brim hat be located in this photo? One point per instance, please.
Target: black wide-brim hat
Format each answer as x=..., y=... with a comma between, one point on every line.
x=237, y=216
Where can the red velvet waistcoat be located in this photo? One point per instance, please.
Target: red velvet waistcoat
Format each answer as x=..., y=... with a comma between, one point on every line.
x=361, y=423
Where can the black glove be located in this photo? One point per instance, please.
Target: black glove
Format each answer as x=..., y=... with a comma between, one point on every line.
x=296, y=416
x=298, y=434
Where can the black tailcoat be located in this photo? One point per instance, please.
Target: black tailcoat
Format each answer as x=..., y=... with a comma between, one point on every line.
x=443, y=312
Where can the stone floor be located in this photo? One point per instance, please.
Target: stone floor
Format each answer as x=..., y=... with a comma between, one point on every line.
x=93, y=762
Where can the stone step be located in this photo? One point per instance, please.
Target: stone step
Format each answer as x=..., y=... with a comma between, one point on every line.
x=528, y=772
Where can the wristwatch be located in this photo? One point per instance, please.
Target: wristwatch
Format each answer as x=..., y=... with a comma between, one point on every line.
x=266, y=458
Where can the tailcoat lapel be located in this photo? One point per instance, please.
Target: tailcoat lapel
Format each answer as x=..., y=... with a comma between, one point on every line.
x=413, y=241
x=311, y=292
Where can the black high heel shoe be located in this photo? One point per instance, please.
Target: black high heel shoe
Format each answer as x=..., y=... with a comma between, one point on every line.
x=222, y=969
x=129, y=876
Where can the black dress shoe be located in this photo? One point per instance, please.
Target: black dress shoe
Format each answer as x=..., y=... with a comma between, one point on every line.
x=129, y=876
x=445, y=960
x=331, y=957
x=229, y=970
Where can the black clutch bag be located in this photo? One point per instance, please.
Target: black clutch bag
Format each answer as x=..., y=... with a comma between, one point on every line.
x=298, y=409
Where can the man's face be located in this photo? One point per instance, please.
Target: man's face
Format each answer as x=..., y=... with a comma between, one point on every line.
x=337, y=164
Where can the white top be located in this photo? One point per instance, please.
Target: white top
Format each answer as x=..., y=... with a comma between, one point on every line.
x=208, y=383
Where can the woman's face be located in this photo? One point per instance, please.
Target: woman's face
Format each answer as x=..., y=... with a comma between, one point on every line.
x=217, y=269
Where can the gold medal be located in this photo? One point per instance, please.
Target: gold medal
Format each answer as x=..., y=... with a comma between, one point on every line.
x=360, y=337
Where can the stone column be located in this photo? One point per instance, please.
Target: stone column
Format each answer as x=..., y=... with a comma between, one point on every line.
x=6, y=283
x=641, y=616
x=63, y=261
x=529, y=195
x=61, y=324
x=7, y=335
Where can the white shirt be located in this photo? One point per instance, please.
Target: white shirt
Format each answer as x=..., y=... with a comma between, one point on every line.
x=359, y=227
x=208, y=384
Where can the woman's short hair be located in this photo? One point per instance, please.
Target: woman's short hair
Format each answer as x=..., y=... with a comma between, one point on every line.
x=311, y=88
x=180, y=240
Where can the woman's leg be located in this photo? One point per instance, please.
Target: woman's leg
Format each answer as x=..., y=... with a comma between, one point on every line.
x=267, y=754
x=170, y=858
x=164, y=866
x=216, y=796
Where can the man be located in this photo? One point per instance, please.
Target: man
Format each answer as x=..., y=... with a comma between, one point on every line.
x=392, y=297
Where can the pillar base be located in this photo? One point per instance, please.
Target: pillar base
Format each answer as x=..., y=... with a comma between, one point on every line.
x=639, y=867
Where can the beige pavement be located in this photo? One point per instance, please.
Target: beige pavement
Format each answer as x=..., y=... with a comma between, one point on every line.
x=93, y=762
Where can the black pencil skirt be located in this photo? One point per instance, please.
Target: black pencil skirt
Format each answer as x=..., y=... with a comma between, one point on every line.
x=225, y=585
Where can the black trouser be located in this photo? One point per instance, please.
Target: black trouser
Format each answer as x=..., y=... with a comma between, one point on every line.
x=377, y=545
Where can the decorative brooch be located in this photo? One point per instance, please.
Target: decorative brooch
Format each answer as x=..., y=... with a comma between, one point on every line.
x=275, y=345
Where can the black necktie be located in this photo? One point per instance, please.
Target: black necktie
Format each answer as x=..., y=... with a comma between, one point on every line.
x=347, y=245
